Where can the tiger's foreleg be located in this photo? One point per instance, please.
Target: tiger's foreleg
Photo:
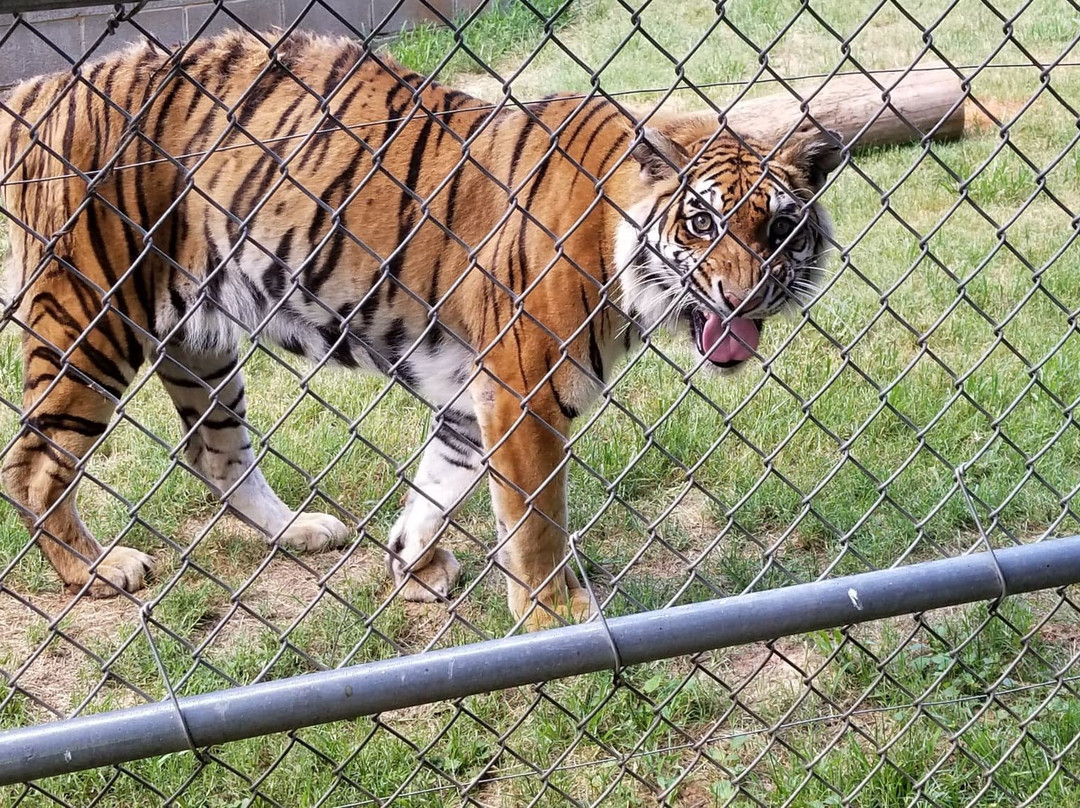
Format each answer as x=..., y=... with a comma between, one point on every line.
x=527, y=452
x=73, y=379
x=208, y=392
x=449, y=471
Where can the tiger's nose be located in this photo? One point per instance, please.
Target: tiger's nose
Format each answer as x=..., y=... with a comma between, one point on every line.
x=735, y=300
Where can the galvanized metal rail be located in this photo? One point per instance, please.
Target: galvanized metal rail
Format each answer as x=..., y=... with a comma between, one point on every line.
x=244, y=712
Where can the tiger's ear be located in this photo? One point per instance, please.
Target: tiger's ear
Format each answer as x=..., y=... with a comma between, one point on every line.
x=659, y=156
x=816, y=156
x=687, y=128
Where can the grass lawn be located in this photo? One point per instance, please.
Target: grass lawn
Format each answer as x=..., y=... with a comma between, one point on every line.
x=946, y=337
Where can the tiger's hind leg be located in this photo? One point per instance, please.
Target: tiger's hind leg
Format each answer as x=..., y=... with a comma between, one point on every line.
x=73, y=379
x=208, y=392
x=450, y=469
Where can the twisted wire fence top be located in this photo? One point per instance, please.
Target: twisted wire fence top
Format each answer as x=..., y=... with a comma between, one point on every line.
x=919, y=406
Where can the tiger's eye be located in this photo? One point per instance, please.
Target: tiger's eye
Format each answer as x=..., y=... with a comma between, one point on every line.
x=781, y=228
x=702, y=224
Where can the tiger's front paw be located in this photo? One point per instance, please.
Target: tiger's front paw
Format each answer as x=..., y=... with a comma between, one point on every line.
x=124, y=569
x=313, y=532
x=562, y=601
x=577, y=607
x=432, y=582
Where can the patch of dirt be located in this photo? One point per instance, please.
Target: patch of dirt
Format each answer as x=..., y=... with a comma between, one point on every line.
x=482, y=86
x=977, y=116
x=767, y=676
x=284, y=591
x=1061, y=633
x=692, y=792
x=59, y=674
x=694, y=515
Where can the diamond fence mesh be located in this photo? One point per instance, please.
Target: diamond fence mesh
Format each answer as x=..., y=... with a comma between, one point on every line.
x=917, y=402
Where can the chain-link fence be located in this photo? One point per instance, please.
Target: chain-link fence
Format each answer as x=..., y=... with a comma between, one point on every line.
x=542, y=284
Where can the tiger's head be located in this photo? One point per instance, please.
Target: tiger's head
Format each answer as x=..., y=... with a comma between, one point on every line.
x=722, y=241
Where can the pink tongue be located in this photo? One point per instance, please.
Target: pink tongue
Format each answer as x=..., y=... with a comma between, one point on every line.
x=729, y=349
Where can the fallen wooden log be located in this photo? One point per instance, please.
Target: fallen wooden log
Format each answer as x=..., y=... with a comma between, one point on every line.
x=888, y=108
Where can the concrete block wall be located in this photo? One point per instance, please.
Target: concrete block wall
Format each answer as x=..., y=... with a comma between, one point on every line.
x=54, y=40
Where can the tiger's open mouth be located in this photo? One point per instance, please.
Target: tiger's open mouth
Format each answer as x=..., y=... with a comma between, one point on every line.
x=725, y=344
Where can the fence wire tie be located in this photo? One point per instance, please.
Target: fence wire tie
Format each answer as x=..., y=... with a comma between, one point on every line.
x=616, y=673
x=958, y=473
x=144, y=614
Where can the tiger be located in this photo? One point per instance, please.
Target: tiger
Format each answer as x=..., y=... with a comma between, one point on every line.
x=306, y=191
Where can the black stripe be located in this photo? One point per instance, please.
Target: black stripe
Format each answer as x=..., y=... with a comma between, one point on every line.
x=69, y=129
x=509, y=259
x=594, y=349
x=233, y=451
x=95, y=71
x=395, y=338
x=176, y=382
x=453, y=461
x=55, y=455
x=460, y=419
x=264, y=164
x=46, y=304
x=137, y=69
x=600, y=127
x=435, y=335
x=221, y=372
x=31, y=382
x=456, y=98
x=320, y=271
x=393, y=111
x=259, y=96
x=568, y=412
x=337, y=71
x=601, y=105
x=197, y=141
x=189, y=415
x=416, y=162
x=455, y=442
x=523, y=257
x=195, y=53
x=316, y=149
x=227, y=62
x=133, y=351
x=336, y=340
x=412, y=78
x=622, y=138
x=62, y=480
x=273, y=278
x=46, y=354
x=234, y=405
x=32, y=93
x=447, y=106
x=287, y=140
x=64, y=422
x=343, y=181
x=139, y=187
x=452, y=192
x=531, y=121
x=603, y=268
x=406, y=223
x=224, y=423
